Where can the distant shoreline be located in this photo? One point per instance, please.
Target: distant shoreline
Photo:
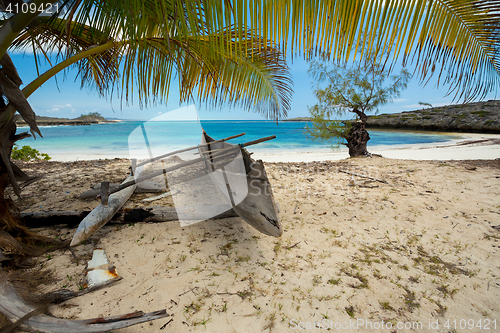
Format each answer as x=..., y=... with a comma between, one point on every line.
x=478, y=117
x=49, y=121
x=298, y=119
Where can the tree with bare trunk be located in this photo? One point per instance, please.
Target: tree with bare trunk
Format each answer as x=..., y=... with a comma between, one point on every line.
x=359, y=87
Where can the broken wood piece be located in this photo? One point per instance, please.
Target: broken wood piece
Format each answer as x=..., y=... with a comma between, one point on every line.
x=14, y=308
x=158, y=197
x=366, y=184
x=102, y=214
x=96, y=191
x=62, y=295
x=364, y=176
x=162, y=214
x=45, y=219
x=104, y=193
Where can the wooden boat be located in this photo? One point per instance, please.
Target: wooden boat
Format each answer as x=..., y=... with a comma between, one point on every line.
x=258, y=208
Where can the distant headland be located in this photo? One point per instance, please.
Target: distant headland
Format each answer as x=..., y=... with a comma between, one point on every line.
x=89, y=119
x=299, y=119
x=477, y=117
x=480, y=117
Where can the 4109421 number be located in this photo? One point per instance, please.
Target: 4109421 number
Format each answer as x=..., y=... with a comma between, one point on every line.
x=31, y=8
x=482, y=324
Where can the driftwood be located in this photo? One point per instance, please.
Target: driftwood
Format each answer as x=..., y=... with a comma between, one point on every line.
x=15, y=308
x=364, y=176
x=102, y=213
x=96, y=191
x=158, y=197
x=44, y=219
x=73, y=218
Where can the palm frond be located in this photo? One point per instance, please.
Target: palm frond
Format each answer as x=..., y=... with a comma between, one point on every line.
x=456, y=40
x=259, y=81
x=209, y=68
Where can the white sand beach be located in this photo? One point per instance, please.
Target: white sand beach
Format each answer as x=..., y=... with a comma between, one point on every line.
x=471, y=146
x=416, y=254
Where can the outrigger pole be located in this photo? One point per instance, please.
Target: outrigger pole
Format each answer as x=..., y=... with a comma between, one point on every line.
x=105, y=192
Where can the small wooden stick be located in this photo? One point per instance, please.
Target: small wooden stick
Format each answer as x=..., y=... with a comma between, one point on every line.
x=364, y=176
x=104, y=192
x=292, y=246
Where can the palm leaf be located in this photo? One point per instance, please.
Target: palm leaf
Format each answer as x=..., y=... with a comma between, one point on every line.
x=257, y=80
x=456, y=40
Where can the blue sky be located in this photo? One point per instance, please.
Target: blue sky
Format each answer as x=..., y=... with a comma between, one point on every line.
x=65, y=99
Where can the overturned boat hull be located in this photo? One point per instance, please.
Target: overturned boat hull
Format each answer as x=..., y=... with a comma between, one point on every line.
x=258, y=208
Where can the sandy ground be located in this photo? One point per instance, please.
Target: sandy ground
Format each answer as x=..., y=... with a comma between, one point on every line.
x=470, y=146
x=419, y=251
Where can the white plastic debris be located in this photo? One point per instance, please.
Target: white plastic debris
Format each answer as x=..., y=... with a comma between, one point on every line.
x=99, y=269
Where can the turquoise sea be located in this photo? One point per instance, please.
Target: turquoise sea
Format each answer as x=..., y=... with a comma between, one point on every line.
x=115, y=139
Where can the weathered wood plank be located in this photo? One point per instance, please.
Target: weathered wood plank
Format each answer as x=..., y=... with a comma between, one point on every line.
x=102, y=213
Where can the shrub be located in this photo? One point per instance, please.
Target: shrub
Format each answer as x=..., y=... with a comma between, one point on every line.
x=26, y=153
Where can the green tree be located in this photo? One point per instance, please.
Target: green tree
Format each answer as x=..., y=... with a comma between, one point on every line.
x=425, y=104
x=26, y=153
x=359, y=88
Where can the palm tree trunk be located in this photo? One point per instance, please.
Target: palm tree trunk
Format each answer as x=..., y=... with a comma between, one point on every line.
x=7, y=130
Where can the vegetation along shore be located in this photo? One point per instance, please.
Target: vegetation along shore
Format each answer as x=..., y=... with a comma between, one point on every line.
x=89, y=119
x=478, y=117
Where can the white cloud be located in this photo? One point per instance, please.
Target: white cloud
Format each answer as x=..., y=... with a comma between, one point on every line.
x=414, y=106
x=62, y=106
x=53, y=110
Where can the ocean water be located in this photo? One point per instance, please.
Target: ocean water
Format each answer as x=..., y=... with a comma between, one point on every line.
x=124, y=138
